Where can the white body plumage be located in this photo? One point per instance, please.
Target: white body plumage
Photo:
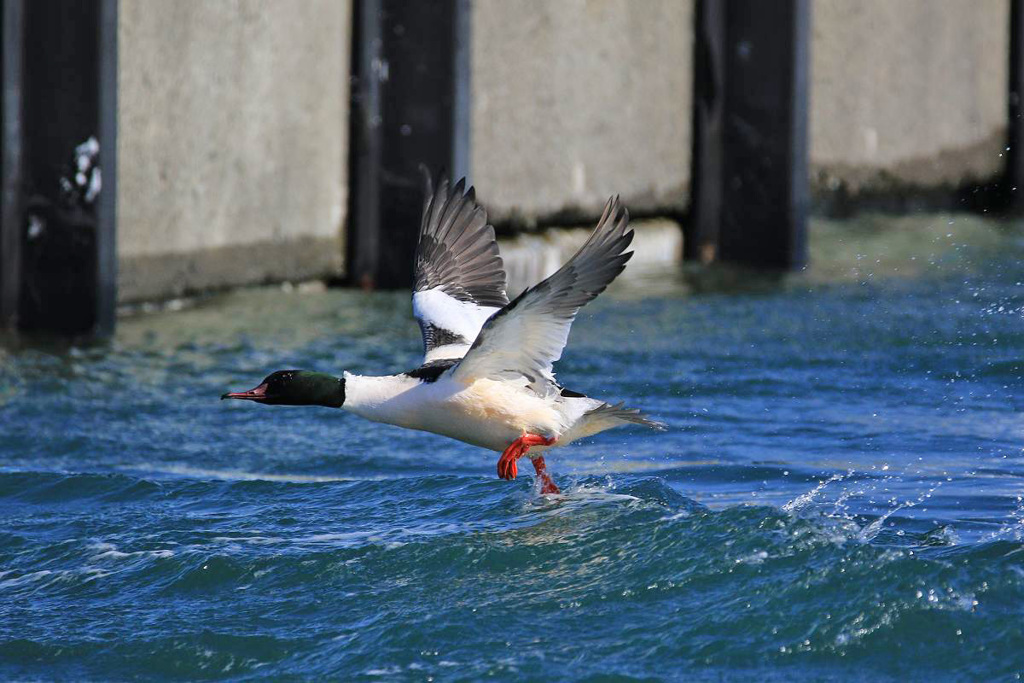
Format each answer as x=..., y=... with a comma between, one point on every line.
x=486, y=413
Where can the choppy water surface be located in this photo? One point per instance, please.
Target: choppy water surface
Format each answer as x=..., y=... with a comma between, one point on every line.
x=839, y=496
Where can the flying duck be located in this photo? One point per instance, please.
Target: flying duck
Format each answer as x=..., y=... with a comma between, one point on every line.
x=487, y=376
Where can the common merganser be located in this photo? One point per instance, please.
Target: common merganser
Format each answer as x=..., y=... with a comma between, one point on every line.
x=487, y=376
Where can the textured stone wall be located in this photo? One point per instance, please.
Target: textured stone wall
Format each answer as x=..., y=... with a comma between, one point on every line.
x=576, y=100
x=232, y=142
x=908, y=93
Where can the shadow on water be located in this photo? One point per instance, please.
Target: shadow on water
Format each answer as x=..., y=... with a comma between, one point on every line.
x=839, y=494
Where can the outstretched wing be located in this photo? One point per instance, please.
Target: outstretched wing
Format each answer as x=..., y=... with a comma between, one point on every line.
x=460, y=281
x=527, y=336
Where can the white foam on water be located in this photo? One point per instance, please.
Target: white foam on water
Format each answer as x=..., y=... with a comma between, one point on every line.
x=108, y=551
x=870, y=531
x=242, y=475
x=1014, y=527
x=252, y=540
x=25, y=578
x=621, y=466
x=805, y=499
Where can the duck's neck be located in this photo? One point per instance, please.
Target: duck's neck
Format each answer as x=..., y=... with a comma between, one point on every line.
x=321, y=389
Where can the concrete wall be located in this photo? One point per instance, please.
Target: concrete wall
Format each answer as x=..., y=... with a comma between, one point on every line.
x=576, y=100
x=908, y=93
x=234, y=119
x=232, y=142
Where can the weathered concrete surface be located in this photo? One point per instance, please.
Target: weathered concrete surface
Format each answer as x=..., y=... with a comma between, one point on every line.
x=232, y=142
x=907, y=94
x=576, y=100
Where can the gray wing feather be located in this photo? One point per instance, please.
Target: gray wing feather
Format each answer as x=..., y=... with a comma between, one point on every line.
x=527, y=336
x=460, y=278
x=457, y=250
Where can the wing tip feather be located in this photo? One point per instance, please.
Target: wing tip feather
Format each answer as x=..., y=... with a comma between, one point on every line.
x=457, y=249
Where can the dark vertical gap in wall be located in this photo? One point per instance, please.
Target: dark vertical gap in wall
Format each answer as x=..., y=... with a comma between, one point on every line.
x=1013, y=191
x=409, y=108
x=12, y=15
x=800, y=143
x=701, y=238
x=362, y=241
x=106, y=202
x=462, y=97
x=750, y=120
x=63, y=248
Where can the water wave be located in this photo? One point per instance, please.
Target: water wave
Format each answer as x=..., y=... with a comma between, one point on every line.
x=639, y=568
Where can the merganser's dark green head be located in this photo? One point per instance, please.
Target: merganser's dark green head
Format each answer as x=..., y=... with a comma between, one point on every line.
x=296, y=388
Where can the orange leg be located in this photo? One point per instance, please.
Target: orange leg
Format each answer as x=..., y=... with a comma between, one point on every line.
x=507, y=468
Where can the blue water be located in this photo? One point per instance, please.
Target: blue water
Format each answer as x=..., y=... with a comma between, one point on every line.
x=839, y=495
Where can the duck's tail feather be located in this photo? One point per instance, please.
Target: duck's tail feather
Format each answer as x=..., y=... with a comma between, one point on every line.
x=617, y=414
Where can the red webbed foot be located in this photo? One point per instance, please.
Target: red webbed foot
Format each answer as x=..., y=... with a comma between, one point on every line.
x=507, y=468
